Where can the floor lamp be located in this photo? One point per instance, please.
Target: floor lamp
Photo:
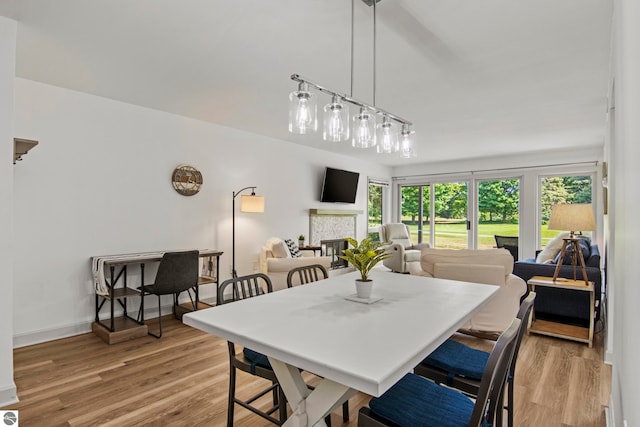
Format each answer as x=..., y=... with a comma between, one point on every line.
x=572, y=217
x=248, y=203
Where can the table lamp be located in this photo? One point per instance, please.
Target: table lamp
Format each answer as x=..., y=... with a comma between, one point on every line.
x=572, y=218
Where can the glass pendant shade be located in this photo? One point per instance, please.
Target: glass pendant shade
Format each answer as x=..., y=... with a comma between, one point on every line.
x=364, y=129
x=336, y=121
x=407, y=149
x=386, y=137
x=302, y=111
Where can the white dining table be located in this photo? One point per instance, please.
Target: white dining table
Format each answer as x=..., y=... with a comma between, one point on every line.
x=353, y=346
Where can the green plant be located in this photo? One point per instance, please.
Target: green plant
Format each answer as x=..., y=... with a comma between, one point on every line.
x=364, y=255
x=301, y=237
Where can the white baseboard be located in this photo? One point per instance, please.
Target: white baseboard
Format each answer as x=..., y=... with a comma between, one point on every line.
x=614, y=414
x=45, y=335
x=8, y=395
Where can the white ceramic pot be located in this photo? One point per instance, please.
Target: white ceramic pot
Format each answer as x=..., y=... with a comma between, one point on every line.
x=300, y=243
x=363, y=288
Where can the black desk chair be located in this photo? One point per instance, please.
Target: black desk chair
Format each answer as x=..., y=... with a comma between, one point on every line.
x=417, y=401
x=177, y=272
x=508, y=242
x=461, y=367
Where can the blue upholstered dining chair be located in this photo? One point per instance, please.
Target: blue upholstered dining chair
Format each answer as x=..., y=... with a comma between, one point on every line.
x=415, y=401
x=460, y=366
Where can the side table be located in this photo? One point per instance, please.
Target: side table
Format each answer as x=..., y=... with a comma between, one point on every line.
x=560, y=330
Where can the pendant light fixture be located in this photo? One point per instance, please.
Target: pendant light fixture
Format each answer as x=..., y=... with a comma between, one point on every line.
x=364, y=129
x=302, y=110
x=336, y=120
x=364, y=132
x=407, y=149
x=386, y=136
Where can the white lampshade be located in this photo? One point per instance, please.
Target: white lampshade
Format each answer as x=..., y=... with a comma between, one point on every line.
x=572, y=217
x=251, y=203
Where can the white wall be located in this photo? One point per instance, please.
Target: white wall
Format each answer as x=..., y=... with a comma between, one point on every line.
x=8, y=29
x=99, y=183
x=624, y=256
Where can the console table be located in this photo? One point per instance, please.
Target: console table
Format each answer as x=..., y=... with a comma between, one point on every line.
x=560, y=330
x=113, y=287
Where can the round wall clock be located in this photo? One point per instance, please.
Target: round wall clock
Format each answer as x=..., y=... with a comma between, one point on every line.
x=186, y=180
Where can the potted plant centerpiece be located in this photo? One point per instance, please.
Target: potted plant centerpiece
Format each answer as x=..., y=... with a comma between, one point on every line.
x=364, y=256
x=301, y=240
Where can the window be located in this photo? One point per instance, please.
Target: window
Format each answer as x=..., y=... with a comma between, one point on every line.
x=376, y=208
x=448, y=210
x=561, y=189
x=450, y=226
x=468, y=209
x=498, y=210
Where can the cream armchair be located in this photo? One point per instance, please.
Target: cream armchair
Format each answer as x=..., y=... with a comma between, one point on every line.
x=276, y=261
x=406, y=255
x=490, y=266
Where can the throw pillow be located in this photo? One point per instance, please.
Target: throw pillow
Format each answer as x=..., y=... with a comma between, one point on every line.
x=552, y=249
x=279, y=249
x=293, y=248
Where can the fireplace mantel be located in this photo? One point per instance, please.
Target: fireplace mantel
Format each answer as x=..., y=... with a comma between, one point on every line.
x=334, y=212
x=328, y=224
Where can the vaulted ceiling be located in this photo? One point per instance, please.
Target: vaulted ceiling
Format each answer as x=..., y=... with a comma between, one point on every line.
x=476, y=77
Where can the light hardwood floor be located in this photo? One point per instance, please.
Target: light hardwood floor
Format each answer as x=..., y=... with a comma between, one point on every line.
x=181, y=380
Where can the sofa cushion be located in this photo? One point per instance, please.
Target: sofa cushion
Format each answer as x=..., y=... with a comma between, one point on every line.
x=293, y=248
x=431, y=256
x=279, y=249
x=594, y=257
x=486, y=266
x=476, y=273
x=552, y=249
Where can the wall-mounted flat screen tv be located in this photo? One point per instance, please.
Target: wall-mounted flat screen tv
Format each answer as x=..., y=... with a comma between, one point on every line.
x=339, y=186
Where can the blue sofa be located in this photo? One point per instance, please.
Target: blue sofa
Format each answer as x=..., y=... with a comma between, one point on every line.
x=563, y=305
